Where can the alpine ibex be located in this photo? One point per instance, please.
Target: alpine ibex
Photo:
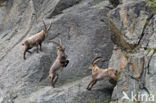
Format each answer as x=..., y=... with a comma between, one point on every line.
x=100, y=74
x=35, y=40
x=60, y=62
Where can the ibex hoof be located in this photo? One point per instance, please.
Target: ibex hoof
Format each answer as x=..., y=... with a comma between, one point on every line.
x=89, y=89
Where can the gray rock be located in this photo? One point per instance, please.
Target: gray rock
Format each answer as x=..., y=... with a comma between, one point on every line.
x=149, y=37
x=135, y=75
x=74, y=92
x=137, y=65
x=127, y=22
x=83, y=29
x=127, y=1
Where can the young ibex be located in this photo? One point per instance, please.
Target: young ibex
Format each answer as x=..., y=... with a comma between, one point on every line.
x=100, y=74
x=60, y=62
x=35, y=40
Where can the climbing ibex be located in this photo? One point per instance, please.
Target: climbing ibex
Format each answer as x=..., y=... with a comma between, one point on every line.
x=60, y=62
x=35, y=40
x=100, y=74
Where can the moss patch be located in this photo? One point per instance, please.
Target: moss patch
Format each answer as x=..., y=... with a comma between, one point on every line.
x=152, y=3
x=154, y=50
x=118, y=75
x=2, y=2
x=149, y=49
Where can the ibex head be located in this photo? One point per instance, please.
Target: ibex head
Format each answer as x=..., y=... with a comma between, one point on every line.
x=60, y=47
x=92, y=65
x=45, y=27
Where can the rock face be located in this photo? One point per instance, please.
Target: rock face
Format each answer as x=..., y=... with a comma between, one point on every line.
x=127, y=1
x=135, y=54
x=83, y=28
x=128, y=21
x=148, y=39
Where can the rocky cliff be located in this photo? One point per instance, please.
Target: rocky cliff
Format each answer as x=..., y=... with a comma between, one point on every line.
x=87, y=28
x=82, y=25
x=133, y=26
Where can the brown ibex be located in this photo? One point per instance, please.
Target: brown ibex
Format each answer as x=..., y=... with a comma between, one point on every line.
x=100, y=74
x=35, y=40
x=60, y=62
